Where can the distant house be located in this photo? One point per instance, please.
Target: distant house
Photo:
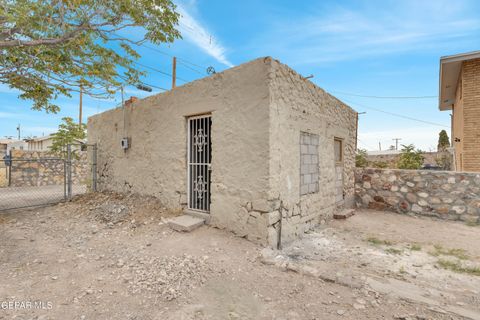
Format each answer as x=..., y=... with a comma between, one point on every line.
x=460, y=92
x=11, y=144
x=45, y=143
x=40, y=143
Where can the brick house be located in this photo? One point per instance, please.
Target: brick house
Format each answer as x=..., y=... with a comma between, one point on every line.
x=256, y=149
x=460, y=92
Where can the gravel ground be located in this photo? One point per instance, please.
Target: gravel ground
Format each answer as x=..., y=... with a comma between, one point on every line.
x=108, y=256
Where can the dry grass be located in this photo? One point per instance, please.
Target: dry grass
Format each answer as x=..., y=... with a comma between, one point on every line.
x=456, y=266
x=378, y=242
x=457, y=253
x=416, y=247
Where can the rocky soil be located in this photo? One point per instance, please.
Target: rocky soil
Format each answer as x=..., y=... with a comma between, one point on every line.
x=109, y=256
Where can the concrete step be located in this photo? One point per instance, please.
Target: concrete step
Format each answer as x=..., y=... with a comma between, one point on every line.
x=344, y=214
x=186, y=223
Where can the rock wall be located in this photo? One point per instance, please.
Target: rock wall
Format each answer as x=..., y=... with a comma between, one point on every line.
x=299, y=106
x=40, y=169
x=443, y=194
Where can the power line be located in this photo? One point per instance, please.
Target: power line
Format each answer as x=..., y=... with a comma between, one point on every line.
x=186, y=61
x=397, y=115
x=383, y=97
x=159, y=71
x=365, y=145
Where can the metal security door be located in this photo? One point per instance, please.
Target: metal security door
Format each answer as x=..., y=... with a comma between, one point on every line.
x=199, y=159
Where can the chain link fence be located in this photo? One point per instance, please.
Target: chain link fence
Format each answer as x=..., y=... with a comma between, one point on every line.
x=32, y=178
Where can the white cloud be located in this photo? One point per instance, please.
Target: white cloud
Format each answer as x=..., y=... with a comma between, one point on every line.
x=192, y=30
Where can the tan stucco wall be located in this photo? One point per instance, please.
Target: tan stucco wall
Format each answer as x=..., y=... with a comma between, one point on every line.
x=299, y=105
x=258, y=111
x=156, y=162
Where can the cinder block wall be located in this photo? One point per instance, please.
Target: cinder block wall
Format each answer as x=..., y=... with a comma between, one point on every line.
x=297, y=105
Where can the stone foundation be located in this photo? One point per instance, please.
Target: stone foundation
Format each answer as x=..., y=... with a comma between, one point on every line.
x=443, y=194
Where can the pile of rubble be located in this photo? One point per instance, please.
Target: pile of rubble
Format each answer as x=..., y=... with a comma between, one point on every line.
x=167, y=276
x=112, y=208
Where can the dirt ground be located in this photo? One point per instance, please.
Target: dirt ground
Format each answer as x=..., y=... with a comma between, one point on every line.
x=107, y=256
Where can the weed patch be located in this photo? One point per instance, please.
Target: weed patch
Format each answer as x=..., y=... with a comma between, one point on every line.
x=393, y=251
x=457, y=253
x=456, y=266
x=415, y=247
x=378, y=242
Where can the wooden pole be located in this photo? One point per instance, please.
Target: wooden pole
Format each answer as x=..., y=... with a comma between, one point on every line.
x=174, y=72
x=80, y=107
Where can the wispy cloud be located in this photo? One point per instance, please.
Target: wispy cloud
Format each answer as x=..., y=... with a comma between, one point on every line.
x=338, y=34
x=193, y=31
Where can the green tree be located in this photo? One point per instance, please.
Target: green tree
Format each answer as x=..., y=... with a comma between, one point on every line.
x=410, y=158
x=55, y=47
x=68, y=132
x=443, y=141
x=361, y=158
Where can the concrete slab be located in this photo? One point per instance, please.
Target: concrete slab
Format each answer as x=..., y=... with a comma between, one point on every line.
x=185, y=223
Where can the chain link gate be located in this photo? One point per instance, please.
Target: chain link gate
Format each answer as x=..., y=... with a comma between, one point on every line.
x=30, y=178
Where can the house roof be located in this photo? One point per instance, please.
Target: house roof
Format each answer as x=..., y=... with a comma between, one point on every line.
x=383, y=152
x=35, y=139
x=7, y=141
x=450, y=67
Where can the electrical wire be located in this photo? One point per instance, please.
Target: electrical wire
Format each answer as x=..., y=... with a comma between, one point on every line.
x=179, y=59
x=396, y=114
x=159, y=71
x=383, y=97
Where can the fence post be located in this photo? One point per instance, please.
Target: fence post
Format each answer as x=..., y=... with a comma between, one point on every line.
x=69, y=171
x=64, y=179
x=10, y=168
x=94, y=168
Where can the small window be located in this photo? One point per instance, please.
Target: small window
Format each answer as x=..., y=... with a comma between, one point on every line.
x=338, y=149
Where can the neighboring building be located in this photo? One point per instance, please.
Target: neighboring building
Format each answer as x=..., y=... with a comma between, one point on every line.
x=45, y=143
x=460, y=92
x=11, y=144
x=40, y=143
x=256, y=149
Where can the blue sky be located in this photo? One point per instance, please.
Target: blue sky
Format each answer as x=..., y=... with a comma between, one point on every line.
x=373, y=48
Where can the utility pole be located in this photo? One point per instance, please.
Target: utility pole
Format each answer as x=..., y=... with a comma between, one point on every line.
x=396, y=142
x=80, y=107
x=356, y=130
x=174, y=72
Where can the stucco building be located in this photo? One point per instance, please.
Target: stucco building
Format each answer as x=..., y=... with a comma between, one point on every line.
x=256, y=149
x=460, y=93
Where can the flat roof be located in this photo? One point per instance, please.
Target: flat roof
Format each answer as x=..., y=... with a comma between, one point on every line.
x=450, y=67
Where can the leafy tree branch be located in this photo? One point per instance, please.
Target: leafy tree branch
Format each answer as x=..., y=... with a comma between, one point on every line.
x=51, y=48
